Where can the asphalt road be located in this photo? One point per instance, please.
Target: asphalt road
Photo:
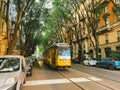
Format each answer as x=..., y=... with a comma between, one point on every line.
x=78, y=77
x=113, y=75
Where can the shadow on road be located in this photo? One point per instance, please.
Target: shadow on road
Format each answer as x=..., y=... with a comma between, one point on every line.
x=36, y=65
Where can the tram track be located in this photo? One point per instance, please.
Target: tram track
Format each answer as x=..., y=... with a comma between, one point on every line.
x=84, y=76
x=71, y=80
x=100, y=76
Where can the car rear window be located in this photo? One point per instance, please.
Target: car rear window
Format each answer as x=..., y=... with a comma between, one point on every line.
x=118, y=60
x=9, y=64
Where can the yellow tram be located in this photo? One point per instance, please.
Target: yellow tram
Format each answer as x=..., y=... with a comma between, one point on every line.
x=58, y=56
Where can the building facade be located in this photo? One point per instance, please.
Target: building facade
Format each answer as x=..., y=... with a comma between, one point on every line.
x=109, y=28
x=7, y=29
x=108, y=31
x=3, y=27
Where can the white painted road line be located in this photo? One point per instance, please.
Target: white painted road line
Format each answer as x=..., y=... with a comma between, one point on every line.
x=42, y=82
x=95, y=79
x=79, y=79
x=60, y=81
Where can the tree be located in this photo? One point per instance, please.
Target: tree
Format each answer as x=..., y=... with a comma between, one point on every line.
x=62, y=21
x=29, y=24
x=90, y=13
x=71, y=17
x=22, y=6
x=115, y=54
x=33, y=27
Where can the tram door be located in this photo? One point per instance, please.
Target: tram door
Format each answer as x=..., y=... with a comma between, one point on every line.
x=53, y=56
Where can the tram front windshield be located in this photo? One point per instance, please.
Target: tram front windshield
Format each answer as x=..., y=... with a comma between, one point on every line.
x=64, y=51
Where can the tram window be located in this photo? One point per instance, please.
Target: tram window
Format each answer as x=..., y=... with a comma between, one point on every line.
x=64, y=52
x=57, y=52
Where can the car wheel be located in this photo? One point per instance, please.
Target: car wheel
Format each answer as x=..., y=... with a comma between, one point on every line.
x=111, y=67
x=31, y=73
x=97, y=65
x=24, y=81
x=89, y=64
x=20, y=87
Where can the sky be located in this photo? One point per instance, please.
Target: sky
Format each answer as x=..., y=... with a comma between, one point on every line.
x=37, y=0
x=48, y=4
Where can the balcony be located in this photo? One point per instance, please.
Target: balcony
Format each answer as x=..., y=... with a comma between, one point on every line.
x=85, y=36
x=74, y=40
x=105, y=15
x=115, y=9
x=104, y=29
x=105, y=1
x=82, y=18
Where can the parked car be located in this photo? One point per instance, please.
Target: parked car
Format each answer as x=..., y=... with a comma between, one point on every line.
x=75, y=60
x=90, y=62
x=12, y=72
x=29, y=66
x=109, y=63
x=32, y=59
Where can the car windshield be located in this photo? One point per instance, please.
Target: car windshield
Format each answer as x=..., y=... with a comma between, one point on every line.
x=27, y=62
x=110, y=59
x=107, y=59
x=64, y=52
x=9, y=64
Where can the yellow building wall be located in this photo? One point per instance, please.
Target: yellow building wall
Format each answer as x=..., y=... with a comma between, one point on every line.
x=101, y=39
x=111, y=35
x=3, y=34
x=111, y=17
x=101, y=23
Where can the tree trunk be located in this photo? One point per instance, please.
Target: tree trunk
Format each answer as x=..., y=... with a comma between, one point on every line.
x=8, y=27
x=13, y=42
x=96, y=48
x=80, y=55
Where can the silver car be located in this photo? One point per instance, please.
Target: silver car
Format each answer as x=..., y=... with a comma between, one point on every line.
x=90, y=62
x=12, y=72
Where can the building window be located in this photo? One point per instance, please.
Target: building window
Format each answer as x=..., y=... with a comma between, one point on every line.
x=118, y=17
x=106, y=10
x=116, y=1
x=118, y=35
x=118, y=48
x=106, y=20
x=116, y=10
x=99, y=50
x=108, y=51
x=105, y=15
x=106, y=39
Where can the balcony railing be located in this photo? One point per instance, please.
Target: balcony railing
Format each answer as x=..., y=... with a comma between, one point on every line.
x=118, y=38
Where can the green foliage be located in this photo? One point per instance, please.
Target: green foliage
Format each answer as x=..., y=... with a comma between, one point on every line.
x=60, y=15
x=33, y=26
x=99, y=8
x=115, y=54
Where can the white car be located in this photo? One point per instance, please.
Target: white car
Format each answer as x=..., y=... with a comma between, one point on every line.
x=91, y=62
x=12, y=72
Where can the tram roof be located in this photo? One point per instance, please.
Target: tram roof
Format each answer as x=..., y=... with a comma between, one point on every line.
x=59, y=45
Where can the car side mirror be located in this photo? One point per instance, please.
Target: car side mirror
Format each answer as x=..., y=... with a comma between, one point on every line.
x=27, y=68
